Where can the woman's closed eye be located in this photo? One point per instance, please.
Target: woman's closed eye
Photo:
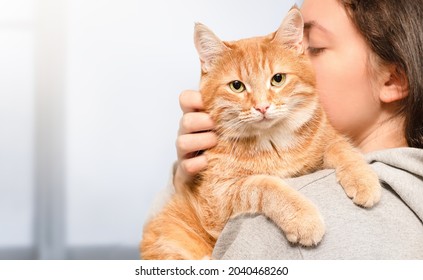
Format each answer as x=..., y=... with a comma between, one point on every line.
x=315, y=51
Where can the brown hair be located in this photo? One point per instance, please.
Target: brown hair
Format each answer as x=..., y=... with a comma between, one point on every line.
x=393, y=30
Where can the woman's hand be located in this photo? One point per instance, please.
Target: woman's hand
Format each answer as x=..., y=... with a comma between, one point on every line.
x=194, y=135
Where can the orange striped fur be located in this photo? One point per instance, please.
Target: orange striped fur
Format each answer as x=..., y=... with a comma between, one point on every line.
x=255, y=151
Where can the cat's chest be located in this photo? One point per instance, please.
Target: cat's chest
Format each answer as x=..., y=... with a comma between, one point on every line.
x=227, y=165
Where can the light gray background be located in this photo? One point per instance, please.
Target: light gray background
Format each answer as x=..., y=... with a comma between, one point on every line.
x=121, y=65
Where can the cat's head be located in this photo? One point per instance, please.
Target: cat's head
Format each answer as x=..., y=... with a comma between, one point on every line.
x=254, y=86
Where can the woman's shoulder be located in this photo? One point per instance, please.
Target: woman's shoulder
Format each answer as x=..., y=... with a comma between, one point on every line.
x=400, y=171
x=407, y=161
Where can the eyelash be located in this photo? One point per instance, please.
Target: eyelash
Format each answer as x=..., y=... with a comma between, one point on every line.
x=315, y=51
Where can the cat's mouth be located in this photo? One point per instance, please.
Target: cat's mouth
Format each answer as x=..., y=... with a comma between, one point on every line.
x=265, y=119
x=264, y=122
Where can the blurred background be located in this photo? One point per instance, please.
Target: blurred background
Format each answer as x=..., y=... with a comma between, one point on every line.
x=89, y=114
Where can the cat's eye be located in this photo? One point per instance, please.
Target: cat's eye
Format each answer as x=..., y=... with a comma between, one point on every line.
x=278, y=80
x=237, y=86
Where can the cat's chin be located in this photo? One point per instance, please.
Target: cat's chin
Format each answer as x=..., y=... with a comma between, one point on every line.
x=263, y=124
x=259, y=128
x=250, y=132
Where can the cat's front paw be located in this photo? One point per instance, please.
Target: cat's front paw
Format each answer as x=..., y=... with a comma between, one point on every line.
x=306, y=228
x=364, y=189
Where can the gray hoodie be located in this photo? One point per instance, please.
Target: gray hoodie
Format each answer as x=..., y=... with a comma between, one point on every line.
x=393, y=229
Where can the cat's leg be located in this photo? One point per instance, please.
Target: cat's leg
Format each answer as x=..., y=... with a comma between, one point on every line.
x=357, y=178
x=297, y=216
x=175, y=234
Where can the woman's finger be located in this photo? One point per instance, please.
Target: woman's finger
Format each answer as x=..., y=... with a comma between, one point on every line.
x=186, y=169
x=190, y=143
x=190, y=101
x=195, y=122
x=192, y=166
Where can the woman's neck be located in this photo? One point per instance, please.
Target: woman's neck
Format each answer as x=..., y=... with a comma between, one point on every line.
x=383, y=135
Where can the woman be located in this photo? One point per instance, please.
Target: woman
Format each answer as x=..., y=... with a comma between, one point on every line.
x=368, y=60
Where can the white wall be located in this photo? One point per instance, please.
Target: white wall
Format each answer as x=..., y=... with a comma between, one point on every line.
x=16, y=122
x=126, y=63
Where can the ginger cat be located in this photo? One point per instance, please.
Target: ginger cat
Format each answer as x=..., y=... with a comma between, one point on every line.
x=270, y=125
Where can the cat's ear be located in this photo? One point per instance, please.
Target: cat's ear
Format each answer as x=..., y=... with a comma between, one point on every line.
x=208, y=45
x=291, y=31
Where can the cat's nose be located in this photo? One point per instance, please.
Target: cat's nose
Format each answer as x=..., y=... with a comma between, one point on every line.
x=262, y=108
